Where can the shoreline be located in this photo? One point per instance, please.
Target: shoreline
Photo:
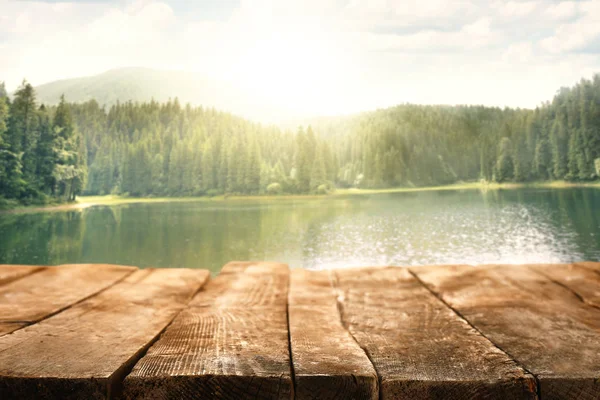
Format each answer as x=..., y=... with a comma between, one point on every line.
x=84, y=202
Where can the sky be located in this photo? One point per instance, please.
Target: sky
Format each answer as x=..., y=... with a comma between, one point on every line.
x=319, y=57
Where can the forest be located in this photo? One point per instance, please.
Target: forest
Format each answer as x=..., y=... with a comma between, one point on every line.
x=168, y=149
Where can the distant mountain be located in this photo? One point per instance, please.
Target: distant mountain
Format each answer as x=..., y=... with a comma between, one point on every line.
x=144, y=84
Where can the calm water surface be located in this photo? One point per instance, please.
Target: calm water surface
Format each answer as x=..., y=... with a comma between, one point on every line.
x=472, y=227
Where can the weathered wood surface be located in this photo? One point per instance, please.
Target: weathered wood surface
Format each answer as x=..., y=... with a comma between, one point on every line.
x=591, y=265
x=327, y=361
x=230, y=343
x=40, y=294
x=419, y=347
x=249, y=285
x=542, y=324
x=85, y=351
x=9, y=273
x=583, y=282
x=259, y=331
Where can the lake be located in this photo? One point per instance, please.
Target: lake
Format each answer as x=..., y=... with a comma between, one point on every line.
x=435, y=227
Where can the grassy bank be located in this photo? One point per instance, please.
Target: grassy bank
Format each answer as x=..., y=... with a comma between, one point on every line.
x=473, y=186
x=89, y=201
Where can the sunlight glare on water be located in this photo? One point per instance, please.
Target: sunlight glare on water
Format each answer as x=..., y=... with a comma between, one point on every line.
x=452, y=227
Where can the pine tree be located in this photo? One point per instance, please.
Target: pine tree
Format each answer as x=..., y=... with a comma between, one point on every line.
x=303, y=160
x=208, y=167
x=231, y=169
x=318, y=174
x=573, y=157
x=253, y=171
x=505, y=164
x=559, y=149
x=521, y=161
x=542, y=161
x=22, y=132
x=70, y=169
x=11, y=180
x=223, y=172
x=175, y=181
x=46, y=154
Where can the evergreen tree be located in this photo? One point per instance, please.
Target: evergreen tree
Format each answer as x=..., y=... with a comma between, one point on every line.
x=70, y=169
x=11, y=181
x=521, y=160
x=559, y=149
x=46, y=155
x=505, y=165
x=22, y=133
x=253, y=171
x=318, y=174
x=303, y=160
x=573, y=156
x=542, y=160
x=208, y=167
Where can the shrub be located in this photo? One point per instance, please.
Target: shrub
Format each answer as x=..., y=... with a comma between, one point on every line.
x=213, y=192
x=274, y=188
x=322, y=189
x=6, y=204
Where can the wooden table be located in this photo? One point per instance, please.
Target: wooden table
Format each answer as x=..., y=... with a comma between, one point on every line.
x=261, y=331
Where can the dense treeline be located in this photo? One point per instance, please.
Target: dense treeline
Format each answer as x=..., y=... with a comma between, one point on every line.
x=169, y=149
x=166, y=149
x=41, y=154
x=430, y=145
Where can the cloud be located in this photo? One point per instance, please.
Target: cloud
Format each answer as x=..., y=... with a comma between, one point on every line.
x=562, y=10
x=515, y=8
x=324, y=56
x=581, y=35
x=519, y=53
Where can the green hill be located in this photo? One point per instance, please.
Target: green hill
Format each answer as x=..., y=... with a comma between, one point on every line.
x=144, y=84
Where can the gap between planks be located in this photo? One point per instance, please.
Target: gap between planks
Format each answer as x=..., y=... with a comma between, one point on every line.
x=19, y=324
x=340, y=308
x=289, y=336
x=115, y=382
x=461, y=316
x=30, y=271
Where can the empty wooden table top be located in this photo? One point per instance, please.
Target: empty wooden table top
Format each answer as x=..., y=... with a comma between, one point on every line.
x=262, y=331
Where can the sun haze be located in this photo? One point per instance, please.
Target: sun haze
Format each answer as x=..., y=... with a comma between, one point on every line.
x=308, y=58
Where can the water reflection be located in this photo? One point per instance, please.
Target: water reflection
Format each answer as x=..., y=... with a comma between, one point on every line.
x=513, y=226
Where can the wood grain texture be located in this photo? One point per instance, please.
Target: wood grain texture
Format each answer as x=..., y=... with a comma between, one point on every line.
x=421, y=348
x=328, y=363
x=591, y=265
x=543, y=325
x=230, y=343
x=84, y=351
x=38, y=295
x=9, y=273
x=236, y=267
x=584, y=282
x=256, y=285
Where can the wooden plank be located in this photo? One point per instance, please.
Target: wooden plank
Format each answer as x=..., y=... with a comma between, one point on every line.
x=85, y=351
x=44, y=293
x=591, y=265
x=582, y=281
x=421, y=348
x=9, y=273
x=328, y=363
x=544, y=326
x=256, y=285
x=236, y=267
x=230, y=343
